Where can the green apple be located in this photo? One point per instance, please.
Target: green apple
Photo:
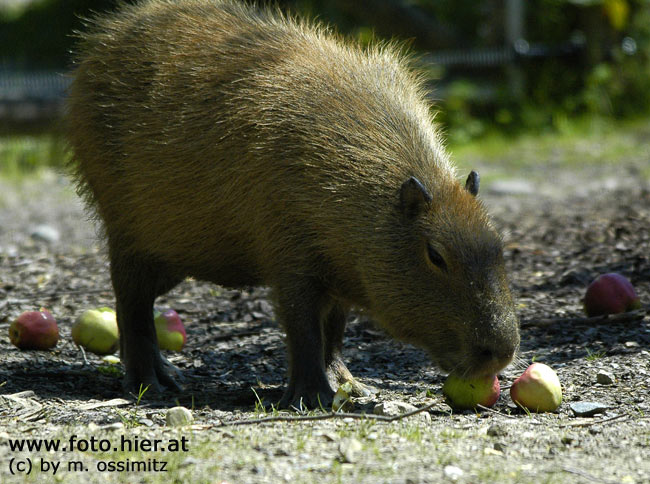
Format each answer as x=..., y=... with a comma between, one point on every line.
x=169, y=330
x=537, y=389
x=96, y=330
x=466, y=393
x=34, y=330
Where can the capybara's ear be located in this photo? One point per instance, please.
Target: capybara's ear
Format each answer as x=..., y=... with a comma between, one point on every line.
x=472, y=183
x=413, y=197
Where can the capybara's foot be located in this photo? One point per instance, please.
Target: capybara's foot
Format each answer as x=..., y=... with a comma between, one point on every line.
x=162, y=375
x=299, y=397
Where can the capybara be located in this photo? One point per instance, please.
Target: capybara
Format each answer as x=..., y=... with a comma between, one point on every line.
x=237, y=145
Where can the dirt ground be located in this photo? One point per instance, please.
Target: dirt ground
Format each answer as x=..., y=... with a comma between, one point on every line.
x=570, y=229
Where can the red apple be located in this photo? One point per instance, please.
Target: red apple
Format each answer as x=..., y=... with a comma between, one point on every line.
x=610, y=294
x=169, y=330
x=537, y=389
x=468, y=393
x=34, y=330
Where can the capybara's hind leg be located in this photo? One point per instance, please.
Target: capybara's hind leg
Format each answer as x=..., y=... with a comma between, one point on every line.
x=137, y=282
x=337, y=371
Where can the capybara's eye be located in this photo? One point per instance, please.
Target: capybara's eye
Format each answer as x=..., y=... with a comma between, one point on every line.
x=435, y=258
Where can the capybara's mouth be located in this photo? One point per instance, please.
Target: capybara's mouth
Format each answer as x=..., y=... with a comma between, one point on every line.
x=474, y=364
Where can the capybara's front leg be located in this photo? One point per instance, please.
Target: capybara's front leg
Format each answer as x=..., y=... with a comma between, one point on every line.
x=137, y=282
x=299, y=309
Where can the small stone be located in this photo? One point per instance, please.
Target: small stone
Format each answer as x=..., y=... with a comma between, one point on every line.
x=453, y=473
x=330, y=436
x=631, y=344
x=605, y=377
x=499, y=446
x=588, y=409
x=179, y=417
x=496, y=430
x=145, y=421
x=113, y=426
x=395, y=408
x=349, y=450
x=45, y=233
x=189, y=461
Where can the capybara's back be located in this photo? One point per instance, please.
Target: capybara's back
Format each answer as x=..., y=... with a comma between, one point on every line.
x=236, y=145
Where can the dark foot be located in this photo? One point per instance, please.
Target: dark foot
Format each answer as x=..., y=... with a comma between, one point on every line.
x=300, y=398
x=162, y=375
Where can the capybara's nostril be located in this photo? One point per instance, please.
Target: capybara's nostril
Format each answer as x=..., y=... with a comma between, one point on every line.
x=484, y=353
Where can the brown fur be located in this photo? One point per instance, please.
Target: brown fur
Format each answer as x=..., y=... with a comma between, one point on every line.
x=242, y=147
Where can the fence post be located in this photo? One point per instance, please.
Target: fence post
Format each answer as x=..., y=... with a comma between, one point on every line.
x=514, y=26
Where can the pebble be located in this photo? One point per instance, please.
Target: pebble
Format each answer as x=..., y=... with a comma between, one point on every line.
x=588, y=409
x=45, y=233
x=330, y=436
x=496, y=430
x=453, y=473
x=499, y=447
x=349, y=450
x=189, y=461
x=605, y=377
x=145, y=421
x=113, y=426
x=395, y=408
x=178, y=417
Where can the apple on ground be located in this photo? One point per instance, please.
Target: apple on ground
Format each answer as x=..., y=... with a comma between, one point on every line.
x=96, y=330
x=169, y=330
x=34, y=330
x=610, y=294
x=465, y=393
x=537, y=389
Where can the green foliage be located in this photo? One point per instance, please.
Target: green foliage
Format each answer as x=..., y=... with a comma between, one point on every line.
x=620, y=86
x=26, y=154
x=42, y=34
x=609, y=76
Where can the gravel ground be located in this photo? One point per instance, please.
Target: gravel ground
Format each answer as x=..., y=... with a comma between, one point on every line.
x=557, y=241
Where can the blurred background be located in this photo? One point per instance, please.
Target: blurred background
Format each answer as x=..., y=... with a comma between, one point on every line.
x=496, y=66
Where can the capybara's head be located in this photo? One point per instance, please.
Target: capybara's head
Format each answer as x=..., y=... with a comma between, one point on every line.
x=444, y=287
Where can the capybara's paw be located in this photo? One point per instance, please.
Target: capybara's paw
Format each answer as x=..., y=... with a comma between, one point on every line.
x=298, y=398
x=137, y=387
x=156, y=382
x=168, y=374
